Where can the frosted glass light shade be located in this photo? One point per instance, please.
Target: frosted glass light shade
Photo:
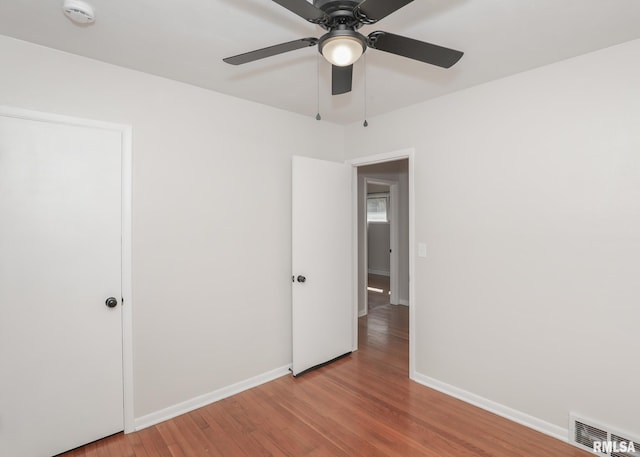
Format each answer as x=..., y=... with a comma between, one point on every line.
x=342, y=50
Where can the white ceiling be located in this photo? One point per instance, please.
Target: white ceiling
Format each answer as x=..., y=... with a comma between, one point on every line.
x=186, y=40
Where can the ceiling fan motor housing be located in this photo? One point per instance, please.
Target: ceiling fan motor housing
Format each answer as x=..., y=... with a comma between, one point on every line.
x=339, y=13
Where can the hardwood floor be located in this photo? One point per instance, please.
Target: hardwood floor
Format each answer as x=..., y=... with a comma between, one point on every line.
x=361, y=405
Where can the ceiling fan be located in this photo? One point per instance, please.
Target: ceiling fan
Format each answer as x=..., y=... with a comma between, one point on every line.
x=343, y=45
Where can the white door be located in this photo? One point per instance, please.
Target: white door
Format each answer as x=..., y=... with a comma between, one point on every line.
x=323, y=310
x=60, y=259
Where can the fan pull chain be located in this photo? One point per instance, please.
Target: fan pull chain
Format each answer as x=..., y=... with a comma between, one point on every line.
x=318, y=117
x=364, y=62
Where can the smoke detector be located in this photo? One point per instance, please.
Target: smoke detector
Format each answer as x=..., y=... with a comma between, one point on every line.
x=78, y=11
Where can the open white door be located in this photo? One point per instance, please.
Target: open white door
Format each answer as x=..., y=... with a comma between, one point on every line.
x=321, y=262
x=60, y=261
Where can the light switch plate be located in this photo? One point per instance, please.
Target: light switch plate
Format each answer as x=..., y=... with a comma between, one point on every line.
x=422, y=249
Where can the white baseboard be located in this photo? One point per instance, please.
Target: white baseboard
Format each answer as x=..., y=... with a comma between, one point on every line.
x=403, y=302
x=206, y=399
x=497, y=408
x=379, y=272
x=362, y=313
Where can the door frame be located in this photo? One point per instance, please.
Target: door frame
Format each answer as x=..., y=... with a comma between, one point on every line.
x=401, y=154
x=394, y=242
x=126, y=233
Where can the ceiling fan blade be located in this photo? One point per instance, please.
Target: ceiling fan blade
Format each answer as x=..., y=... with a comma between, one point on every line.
x=304, y=9
x=341, y=78
x=371, y=11
x=414, y=49
x=271, y=51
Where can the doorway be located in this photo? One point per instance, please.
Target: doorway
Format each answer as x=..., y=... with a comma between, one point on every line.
x=372, y=176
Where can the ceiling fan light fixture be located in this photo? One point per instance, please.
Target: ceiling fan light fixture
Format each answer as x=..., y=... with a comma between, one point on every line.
x=342, y=50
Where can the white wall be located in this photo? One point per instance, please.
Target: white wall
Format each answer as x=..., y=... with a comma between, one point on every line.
x=211, y=217
x=528, y=197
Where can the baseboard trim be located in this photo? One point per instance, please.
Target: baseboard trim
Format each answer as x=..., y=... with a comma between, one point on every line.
x=403, y=302
x=362, y=313
x=378, y=272
x=514, y=415
x=206, y=399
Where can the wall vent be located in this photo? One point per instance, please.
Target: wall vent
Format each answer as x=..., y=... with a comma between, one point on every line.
x=583, y=433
